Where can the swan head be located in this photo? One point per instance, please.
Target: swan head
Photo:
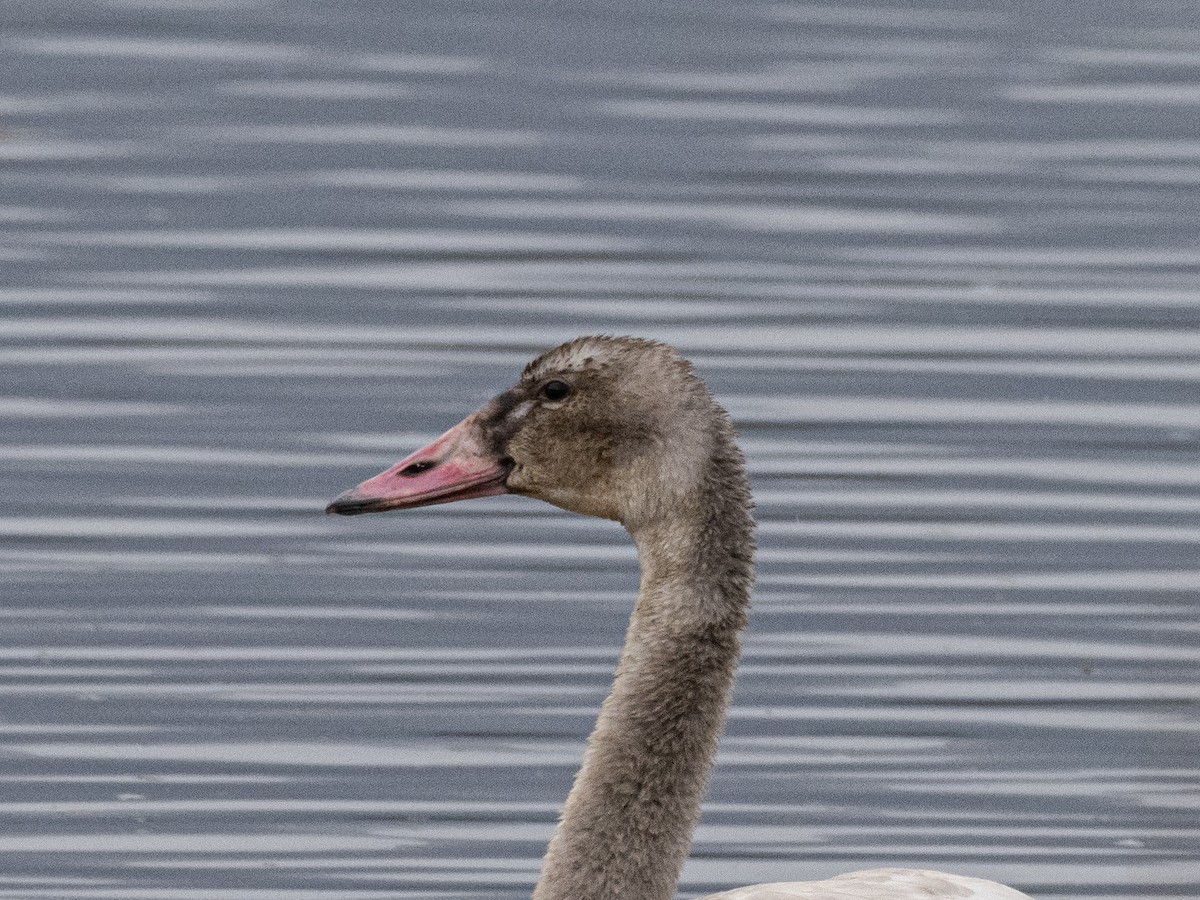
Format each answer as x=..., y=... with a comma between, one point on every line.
x=613, y=427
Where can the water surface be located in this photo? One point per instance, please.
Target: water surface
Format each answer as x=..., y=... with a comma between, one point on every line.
x=940, y=263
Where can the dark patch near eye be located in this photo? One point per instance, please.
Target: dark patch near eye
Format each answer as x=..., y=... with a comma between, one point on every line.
x=416, y=468
x=495, y=424
x=501, y=406
x=555, y=390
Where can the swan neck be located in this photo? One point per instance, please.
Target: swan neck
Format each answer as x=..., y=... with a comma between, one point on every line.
x=627, y=824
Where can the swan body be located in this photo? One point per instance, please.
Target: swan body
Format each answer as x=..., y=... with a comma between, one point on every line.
x=623, y=429
x=878, y=884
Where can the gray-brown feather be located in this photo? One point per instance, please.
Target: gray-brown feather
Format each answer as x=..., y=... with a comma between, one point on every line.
x=684, y=496
x=639, y=439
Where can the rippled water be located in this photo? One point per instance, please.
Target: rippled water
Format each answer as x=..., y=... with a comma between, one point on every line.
x=939, y=262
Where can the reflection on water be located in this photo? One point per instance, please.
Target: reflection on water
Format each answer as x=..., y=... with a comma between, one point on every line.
x=940, y=264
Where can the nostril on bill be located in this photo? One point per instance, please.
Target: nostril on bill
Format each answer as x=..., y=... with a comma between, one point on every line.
x=416, y=468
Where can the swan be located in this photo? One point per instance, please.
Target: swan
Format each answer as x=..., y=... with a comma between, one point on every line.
x=622, y=428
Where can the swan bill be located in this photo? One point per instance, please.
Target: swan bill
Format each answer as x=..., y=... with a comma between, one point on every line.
x=456, y=466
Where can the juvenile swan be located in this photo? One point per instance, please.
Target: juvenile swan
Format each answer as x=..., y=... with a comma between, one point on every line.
x=623, y=429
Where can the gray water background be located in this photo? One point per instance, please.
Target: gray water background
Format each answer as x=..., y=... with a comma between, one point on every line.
x=940, y=263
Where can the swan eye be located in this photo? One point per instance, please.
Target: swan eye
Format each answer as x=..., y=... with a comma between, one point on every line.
x=555, y=390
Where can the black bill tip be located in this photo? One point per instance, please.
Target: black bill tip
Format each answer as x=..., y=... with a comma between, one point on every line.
x=349, y=505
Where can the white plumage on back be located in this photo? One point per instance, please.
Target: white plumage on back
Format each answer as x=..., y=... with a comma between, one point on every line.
x=878, y=884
